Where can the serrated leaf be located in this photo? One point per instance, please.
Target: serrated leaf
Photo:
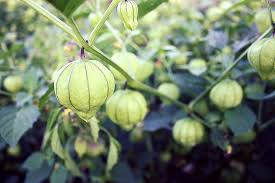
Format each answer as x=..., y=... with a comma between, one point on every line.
x=240, y=119
x=67, y=7
x=145, y=6
x=13, y=123
x=94, y=128
x=56, y=143
x=113, y=154
x=59, y=175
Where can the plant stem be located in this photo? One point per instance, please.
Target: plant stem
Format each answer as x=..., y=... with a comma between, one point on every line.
x=102, y=21
x=224, y=74
x=270, y=15
x=266, y=124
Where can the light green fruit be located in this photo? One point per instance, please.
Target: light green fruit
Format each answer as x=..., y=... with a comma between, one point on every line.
x=180, y=59
x=128, y=13
x=135, y=67
x=197, y=66
x=14, y=151
x=169, y=89
x=262, y=20
x=96, y=149
x=126, y=108
x=83, y=86
x=128, y=62
x=214, y=13
x=144, y=70
x=227, y=94
x=246, y=137
x=188, y=132
x=261, y=55
x=201, y=108
x=13, y=83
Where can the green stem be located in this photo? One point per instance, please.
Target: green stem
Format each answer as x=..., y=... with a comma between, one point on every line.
x=102, y=21
x=224, y=74
x=266, y=124
x=270, y=12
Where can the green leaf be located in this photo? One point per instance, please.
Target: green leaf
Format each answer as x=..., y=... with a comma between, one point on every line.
x=13, y=123
x=40, y=174
x=44, y=99
x=59, y=175
x=240, y=119
x=56, y=143
x=71, y=165
x=218, y=139
x=94, y=128
x=67, y=7
x=113, y=154
x=34, y=161
x=145, y=6
x=50, y=123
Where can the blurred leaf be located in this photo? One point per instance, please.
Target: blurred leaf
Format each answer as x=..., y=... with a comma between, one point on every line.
x=59, y=175
x=40, y=174
x=240, y=119
x=34, y=161
x=162, y=119
x=22, y=98
x=94, y=128
x=113, y=154
x=218, y=139
x=31, y=79
x=56, y=143
x=71, y=165
x=217, y=39
x=44, y=99
x=145, y=6
x=67, y=7
x=14, y=124
x=190, y=85
x=122, y=173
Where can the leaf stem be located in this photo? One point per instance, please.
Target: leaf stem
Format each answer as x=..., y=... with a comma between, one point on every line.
x=102, y=21
x=224, y=74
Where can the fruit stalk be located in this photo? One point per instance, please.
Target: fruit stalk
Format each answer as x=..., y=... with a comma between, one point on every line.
x=102, y=21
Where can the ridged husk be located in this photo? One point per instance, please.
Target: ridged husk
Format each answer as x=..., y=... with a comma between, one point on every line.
x=84, y=86
x=128, y=13
x=262, y=20
x=188, y=132
x=227, y=94
x=261, y=55
x=126, y=108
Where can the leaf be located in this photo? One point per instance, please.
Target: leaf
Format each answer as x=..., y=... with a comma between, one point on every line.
x=59, y=175
x=190, y=85
x=145, y=6
x=217, y=39
x=34, y=161
x=113, y=154
x=240, y=119
x=162, y=119
x=40, y=174
x=22, y=98
x=56, y=143
x=44, y=99
x=123, y=173
x=71, y=165
x=218, y=139
x=67, y=7
x=14, y=124
x=50, y=123
x=94, y=128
